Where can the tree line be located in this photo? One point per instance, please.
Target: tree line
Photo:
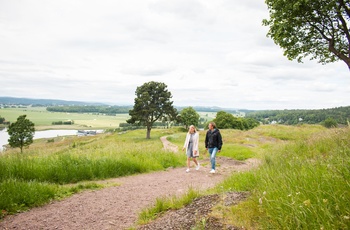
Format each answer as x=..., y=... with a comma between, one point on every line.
x=109, y=110
x=341, y=115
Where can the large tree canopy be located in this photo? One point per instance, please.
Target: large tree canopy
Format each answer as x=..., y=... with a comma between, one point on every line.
x=152, y=103
x=21, y=132
x=318, y=29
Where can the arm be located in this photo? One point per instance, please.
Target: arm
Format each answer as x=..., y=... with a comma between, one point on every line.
x=219, y=141
x=195, y=144
x=206, y=140
x=186, y=141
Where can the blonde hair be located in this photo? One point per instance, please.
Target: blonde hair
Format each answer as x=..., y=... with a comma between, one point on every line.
x=189, y=128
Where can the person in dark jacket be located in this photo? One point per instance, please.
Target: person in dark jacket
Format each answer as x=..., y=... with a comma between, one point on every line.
x=213, y=143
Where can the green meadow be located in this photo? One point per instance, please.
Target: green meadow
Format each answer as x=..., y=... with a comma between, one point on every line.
x=43, y=119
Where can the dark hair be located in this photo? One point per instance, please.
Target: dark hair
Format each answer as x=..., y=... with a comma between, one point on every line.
x=213, y=124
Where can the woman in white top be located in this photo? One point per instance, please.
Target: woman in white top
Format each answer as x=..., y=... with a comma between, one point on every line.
x=191, y=146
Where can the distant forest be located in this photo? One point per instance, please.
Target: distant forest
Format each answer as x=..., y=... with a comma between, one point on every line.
x=292, y=117
x=112, y=110
x=108, y=110
x=341, y=115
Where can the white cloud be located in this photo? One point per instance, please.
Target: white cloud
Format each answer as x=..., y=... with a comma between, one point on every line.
x=209, y=53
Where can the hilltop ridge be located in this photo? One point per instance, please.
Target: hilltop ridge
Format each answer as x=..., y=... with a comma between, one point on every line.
x=57, y=102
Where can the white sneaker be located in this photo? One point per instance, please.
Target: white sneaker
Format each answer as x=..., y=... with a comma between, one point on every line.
x=198, y=166
x=187, y=170
x=212, y=171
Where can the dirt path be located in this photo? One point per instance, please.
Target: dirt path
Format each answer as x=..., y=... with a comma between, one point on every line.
x=168, y=146
x=118, y=207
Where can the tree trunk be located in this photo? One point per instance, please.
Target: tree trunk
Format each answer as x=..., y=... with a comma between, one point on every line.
x=347, y=62
x=340, y=55
x=148, y=136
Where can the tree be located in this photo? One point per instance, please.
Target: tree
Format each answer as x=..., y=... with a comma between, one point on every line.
x=250, y=123
x=224, y=120
x=315, y=28
x=2, y=119
x=189, y=116
x=152, y=103
x=330, y=123
x=21, y=132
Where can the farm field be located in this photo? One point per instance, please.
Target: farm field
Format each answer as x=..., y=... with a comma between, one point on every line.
x=43, y=119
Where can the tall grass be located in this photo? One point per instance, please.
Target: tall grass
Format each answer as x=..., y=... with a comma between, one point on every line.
x=306, y=183
x=302, y=184
x=18, y=195
x=32, y=194
x=48, y=165
x=72, y=168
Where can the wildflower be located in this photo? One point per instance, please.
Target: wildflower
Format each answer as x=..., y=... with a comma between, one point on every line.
x=346, y=217
x=307, y=202
x=264, y=193
x=260, y=200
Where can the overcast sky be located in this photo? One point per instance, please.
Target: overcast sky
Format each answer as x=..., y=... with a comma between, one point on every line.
x=208, y=53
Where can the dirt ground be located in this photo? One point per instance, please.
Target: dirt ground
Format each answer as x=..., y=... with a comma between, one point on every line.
x=118, y=207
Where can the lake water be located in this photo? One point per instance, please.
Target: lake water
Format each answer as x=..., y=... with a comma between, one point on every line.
x=39, y=134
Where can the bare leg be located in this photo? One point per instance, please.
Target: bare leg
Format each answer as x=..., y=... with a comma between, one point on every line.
x=188, y=162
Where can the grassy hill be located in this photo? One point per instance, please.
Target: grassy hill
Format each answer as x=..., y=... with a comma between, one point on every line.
x=303, y=182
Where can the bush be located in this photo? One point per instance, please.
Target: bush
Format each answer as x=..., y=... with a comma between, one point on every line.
x=330, y=123
x=62, y=122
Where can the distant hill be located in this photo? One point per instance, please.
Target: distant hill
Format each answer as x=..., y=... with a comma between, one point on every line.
x=42, y=102
x=216, y=109
x=302, y=116
x=54, y=102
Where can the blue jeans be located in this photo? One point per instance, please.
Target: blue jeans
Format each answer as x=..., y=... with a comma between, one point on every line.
x=212, y=154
